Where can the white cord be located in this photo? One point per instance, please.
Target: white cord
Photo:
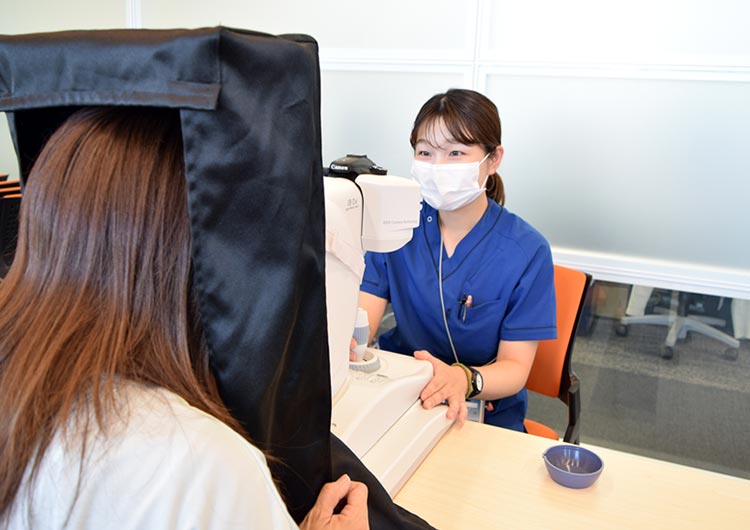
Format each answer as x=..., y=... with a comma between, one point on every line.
x=442, y=300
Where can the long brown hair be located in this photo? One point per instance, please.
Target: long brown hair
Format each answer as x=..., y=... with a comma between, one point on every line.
x=471, y=119
x=99, y=289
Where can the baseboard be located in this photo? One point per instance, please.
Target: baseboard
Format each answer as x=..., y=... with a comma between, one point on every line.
x=688, y=277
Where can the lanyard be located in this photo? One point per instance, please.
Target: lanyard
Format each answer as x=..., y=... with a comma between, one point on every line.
x=442, y=299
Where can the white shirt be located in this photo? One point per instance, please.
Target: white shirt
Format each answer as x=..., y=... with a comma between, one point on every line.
x=168, y=466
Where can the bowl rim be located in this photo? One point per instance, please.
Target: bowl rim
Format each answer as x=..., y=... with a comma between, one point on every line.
x=577, y=447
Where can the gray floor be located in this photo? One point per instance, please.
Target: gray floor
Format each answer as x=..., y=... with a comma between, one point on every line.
x=693, y=409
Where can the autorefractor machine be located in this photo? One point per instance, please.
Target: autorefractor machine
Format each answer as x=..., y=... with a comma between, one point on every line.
x=376, y=408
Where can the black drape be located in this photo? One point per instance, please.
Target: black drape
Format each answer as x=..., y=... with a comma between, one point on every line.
x=250, y=112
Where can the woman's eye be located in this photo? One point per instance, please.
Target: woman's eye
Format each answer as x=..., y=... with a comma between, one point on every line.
x=456, y=153
x=423, y=153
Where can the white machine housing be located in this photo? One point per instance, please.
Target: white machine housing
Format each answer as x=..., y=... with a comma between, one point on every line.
x=388, y=222
x=377, y=414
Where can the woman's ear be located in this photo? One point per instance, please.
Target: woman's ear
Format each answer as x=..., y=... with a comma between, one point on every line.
x=496, y=156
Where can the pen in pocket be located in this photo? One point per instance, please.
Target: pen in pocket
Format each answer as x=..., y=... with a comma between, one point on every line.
x=467, y=301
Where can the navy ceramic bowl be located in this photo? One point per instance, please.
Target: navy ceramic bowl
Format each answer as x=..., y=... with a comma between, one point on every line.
x=572, y=466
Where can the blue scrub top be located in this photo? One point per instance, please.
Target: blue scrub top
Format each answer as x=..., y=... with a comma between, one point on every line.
x=506, y=267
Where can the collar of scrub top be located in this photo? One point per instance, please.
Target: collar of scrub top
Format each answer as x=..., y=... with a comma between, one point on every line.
x=249, y=106
x=466, y=246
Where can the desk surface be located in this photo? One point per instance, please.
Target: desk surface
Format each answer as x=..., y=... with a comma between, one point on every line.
x=485, y=477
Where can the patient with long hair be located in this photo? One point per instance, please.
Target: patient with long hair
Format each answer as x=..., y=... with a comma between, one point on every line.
x=109, y=414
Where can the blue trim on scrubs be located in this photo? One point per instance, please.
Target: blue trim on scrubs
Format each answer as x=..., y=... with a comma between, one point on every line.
x=506, y=267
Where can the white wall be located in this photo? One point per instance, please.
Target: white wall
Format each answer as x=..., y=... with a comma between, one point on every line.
x=625, y=124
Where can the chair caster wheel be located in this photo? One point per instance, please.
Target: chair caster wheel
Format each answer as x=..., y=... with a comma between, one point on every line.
x=732, y=354
x=621, y=330
x=667, y=352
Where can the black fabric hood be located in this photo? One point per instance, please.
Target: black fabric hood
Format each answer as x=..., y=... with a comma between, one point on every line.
x=249, y=106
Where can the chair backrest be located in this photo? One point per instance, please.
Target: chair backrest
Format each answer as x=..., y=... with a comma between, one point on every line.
x=10, y=203
x=551, y=372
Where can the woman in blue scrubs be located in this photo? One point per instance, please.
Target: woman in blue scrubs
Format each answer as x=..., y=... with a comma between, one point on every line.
x=473, y=291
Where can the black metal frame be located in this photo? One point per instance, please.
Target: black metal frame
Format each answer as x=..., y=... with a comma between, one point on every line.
x=570, y=386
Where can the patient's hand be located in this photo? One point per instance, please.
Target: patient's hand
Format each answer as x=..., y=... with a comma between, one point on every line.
x=352, y=345
x=353, y=516
x=447, y=384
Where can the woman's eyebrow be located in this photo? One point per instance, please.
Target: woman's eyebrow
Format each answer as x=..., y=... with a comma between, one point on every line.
x=422, y=142
x=450, y=144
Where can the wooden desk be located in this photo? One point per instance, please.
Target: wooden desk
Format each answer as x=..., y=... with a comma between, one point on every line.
x=485, y=477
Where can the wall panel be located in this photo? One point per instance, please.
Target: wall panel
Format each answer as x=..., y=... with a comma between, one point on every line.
x=639, y=31
x=33, y=16
x=374, y=29
x=635, y=167
x=371, y=112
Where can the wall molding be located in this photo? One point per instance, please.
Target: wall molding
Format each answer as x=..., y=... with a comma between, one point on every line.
x=409, y=61
x=334, y=61
x=645, y=72
x=401, y=59
x=693, y=278
x=133, y=14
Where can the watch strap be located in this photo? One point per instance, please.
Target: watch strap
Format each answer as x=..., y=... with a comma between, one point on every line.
x=475, y=390
x=469, y=385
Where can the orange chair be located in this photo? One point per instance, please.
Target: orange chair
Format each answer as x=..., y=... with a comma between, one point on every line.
x=8, y=187
x=10, y=203
x=551, y=374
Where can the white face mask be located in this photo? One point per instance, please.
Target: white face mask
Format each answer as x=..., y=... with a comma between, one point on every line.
x=448, y=186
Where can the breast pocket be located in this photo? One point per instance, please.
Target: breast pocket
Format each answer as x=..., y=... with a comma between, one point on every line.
x=478, y=327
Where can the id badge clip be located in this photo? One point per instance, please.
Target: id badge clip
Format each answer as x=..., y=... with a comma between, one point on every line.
x=476, y=410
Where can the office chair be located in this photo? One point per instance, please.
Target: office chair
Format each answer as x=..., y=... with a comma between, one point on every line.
x=678, y=320
x=10, y=203
x=552, y=373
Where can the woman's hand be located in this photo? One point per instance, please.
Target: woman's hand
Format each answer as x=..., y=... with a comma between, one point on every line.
x=449, y=384
x=354, y=514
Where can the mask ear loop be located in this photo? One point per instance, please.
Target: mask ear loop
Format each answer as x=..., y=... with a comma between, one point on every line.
x=483, y=187
x=442, y=300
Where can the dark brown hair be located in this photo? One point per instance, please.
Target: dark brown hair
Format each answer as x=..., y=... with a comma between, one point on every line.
x=100, y=286
x=471, y=119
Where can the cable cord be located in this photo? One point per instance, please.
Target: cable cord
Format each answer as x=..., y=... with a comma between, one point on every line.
x=442, y=299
